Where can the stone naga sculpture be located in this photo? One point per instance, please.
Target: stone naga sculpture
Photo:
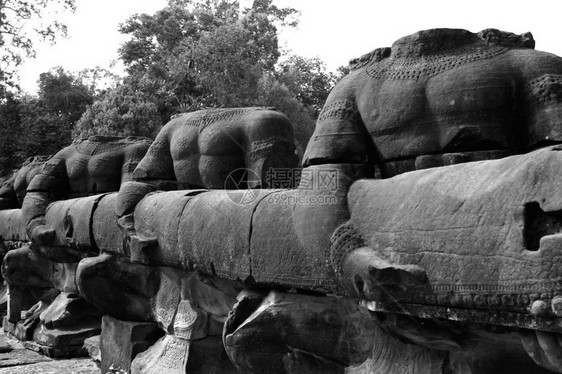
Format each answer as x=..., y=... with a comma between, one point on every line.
x=439, y=92
x=203, y=148
x=369, y=256
x=9, y=199
x=12, y=193
x=427, y=254
x=231, y=148
x=39, y=272
x=95, y=165
x=440, y=97
x=7, y=191
x=258, y=138
x=14, y=188
x=428, y=100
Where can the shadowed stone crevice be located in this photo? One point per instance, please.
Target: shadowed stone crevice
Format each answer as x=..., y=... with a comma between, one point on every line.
x=538, y=223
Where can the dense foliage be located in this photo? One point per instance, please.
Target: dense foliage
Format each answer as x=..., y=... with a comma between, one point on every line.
x=122, y=110
x=42, y=124
x=23, y=23
x=10, y=132
x=196, y=54
x=192, y=54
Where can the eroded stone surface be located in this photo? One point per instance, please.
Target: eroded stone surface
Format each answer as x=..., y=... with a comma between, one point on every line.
x=122, y=341
x=440, y=91
x=179, y=356
x=425, y=252
x=15, y=359
x=168, y=355
x=92, y=346
x=279, y=332
x=466, y=226
x=14, y=188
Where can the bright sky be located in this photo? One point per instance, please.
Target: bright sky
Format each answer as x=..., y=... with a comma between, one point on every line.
x=335, y=31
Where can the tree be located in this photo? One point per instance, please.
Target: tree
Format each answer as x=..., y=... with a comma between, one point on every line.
x=121, y=111
x=190, y=55
x=10, y=133
x=206, y=53
x=98, y=80
x=308, y=79
x=63, y=94
x=47, y=120
x=22, y=24
x=195, y=54
x=228, y=66
x=42, y=132
x=276, y=94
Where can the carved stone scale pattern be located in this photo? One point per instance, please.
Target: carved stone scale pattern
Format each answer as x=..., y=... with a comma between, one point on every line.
x=417, y=68
x=204, y=118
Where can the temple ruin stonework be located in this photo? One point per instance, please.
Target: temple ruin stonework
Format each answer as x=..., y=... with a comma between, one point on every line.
x=424, y=234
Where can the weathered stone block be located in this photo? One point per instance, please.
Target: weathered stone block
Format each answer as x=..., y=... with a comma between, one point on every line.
x=392, y=356
x=56, y=329
x=190, y=322
x=59, y=343
x=173, y=355
x=92, y=346
x=69, y=311
x=22, y=330
x=169, y=355
x=297, y=331
x=505, y=211
x=121, y=341
x=165, y=303
x=105, y=230
x=428, y=161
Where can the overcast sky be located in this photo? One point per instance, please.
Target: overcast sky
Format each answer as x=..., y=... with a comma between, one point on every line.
x=335, y=31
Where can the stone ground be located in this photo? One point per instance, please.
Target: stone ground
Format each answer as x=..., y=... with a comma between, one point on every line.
x=15, y=359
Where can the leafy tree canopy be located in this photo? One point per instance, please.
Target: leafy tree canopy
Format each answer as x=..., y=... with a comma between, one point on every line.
x=10, y=132
x=196, y=54
x=42, y=124
x=22, y=24
x=98, y=80
x=64, y=95
x=122, y=111
x=192, y=54
x=308, y=79
x=205, y=52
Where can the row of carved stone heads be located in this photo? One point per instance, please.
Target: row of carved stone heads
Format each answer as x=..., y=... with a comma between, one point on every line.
x=236, y=268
